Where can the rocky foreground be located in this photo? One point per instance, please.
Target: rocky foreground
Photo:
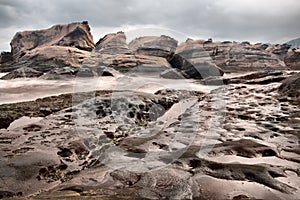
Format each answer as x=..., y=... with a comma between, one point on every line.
x=237, y=141
x=241, y=138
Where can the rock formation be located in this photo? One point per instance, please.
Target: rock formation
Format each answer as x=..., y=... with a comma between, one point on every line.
x=23, y=72
x=163, y=46
x=241, y=57
x=292, y=59
x=6, y=60
x=194, y=62
x=58, y=46
x=72, y=45
x=113, y=51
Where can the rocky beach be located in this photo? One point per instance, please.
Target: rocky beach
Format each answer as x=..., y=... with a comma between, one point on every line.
x=151, y=118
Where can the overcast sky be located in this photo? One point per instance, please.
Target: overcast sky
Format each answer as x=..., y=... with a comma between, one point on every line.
x=274, y=21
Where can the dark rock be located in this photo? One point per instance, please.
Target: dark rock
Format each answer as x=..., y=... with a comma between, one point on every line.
x=106, y=71
x=194, y=61
x=24, y=72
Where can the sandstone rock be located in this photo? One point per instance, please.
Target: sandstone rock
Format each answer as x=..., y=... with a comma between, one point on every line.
x=280, y=50
x=163, y=46
x=194, y=61
x=58, y=46
x=292, y=59
x=24, y=72
x=112, y=51
x=241, y=57
x=113, y=43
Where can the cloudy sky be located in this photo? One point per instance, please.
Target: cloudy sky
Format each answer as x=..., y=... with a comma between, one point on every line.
x=274, y=21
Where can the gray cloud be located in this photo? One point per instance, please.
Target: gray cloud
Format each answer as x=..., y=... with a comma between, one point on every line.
x=253, y=20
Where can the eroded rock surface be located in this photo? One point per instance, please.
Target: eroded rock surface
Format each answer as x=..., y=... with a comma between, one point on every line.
x=173, y=144
x=58, y=46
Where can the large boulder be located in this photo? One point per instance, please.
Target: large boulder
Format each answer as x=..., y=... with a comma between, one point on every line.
x=58, y=46
x=292, y=59
x=24, y=72
x=194, y=62
x=241, y=57
x=113, y=51
x=163, y=46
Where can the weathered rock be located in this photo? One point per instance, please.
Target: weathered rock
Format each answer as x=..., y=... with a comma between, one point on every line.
x=260, y=77
x=172, y=74
x=194, y=61
x=241, y=57
x=163, y=46
x=86, y=72
x=280, y=50
x=6, y=61
x=113, y=43
x=107, y=71
x=292, y=59
x=73, y=35
x=60, y=73
x=112, y=51
x=24, y=72
x=58, y=46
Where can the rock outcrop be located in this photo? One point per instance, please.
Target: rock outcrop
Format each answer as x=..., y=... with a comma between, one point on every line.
x=241, y=57
x=58, y=46
x=163, y=46
x=193, y=61
x=292, y=59
x=6, y=60
x=280, y=50
x=113, y=51
x=23, y=72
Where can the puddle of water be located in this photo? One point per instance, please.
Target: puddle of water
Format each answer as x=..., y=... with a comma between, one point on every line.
x=23, y=121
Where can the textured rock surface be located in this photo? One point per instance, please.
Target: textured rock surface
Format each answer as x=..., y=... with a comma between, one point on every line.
x=241, y=57
x=254, y=154
x=163, y=46
x=194, y=62
x=113, y=51
x=58, y=46
x=23, y=72
x=6, y=60
x=292, y=59
x=280, y=50
x=290, y=88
